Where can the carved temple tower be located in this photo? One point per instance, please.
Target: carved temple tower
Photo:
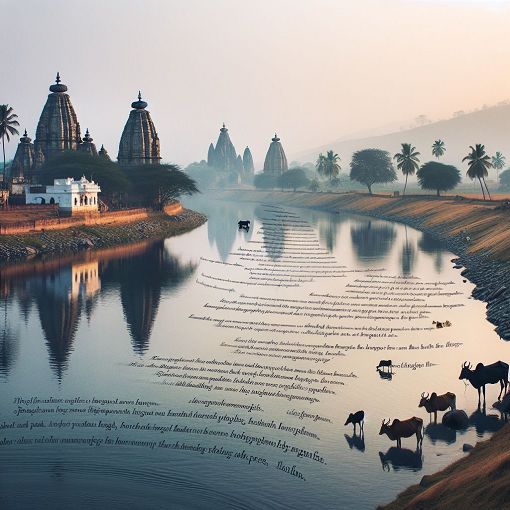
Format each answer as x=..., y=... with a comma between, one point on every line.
x=276, y=162
x=58, y=128
x=24, y=159
x=139, y=144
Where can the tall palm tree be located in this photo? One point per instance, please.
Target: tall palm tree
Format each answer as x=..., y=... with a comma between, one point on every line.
x=478, y=164
x=438, y=148
x=498, y=162
x=7, y=125
x=407, y=161
x=328, y=165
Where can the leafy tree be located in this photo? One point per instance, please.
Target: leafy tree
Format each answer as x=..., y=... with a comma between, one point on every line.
x=504, y=180
x=438, y=148
x=371, y=166
x=158, y=185
x=265, y=181
x=314, y=185
x=498, y=162
x=203, y=174
x=293, y=178
x=328, y=166
x=76, y=164
x=8, y=125
x=407, y=161
x=437, y=176
x=478, y=164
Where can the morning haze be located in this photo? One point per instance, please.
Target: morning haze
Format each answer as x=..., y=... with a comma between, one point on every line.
x=312, y=71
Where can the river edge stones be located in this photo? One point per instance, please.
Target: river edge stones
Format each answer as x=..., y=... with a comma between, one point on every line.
x=73, y=240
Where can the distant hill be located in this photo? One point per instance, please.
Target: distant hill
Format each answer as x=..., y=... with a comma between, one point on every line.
x=490, y=126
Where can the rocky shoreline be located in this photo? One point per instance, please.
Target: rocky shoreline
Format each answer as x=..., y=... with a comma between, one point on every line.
x=74, y=240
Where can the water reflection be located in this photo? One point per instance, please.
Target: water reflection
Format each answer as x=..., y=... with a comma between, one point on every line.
x=437, y=432
x=372, y=240
x=483, y=422
x=8, y=344
x=407, y=256
x=356, y=441
x=62, y=289
x=402, y=458
x=273, y=233
x=431, y=245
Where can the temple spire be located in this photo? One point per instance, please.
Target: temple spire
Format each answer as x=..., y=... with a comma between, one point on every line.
x=57, y=79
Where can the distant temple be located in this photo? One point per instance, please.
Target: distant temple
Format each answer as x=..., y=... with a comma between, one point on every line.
x=139, y=144
x=224, y=157
x=276, y=162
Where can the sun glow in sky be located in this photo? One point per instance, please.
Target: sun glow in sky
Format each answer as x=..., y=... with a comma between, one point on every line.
x=313, y=71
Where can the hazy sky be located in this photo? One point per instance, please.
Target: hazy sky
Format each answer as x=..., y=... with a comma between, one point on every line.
x=312, y=70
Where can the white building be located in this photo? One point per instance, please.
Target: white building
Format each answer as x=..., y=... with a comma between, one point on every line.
x=70, y=195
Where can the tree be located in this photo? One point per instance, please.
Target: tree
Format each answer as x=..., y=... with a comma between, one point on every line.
x=328, y=166
x=77, y=164
x=371, y=166
x=504, y=180
x=158, y=185
x=293, y=178
x=498, y=162
x=437, y=176
x=438, y=148
x=407, y=161
x=264, y=181
x=7, y=126
x=478, y=164
x=314, y=185
x=202, y=173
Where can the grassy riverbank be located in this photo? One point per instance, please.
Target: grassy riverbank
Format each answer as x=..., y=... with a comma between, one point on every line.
x=73, y=240
x=479, y=480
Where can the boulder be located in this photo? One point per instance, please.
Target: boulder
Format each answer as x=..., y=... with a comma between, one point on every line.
x=456, y=419
x=466, y=447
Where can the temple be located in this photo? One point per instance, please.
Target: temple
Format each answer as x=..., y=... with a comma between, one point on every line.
x=276, y=162
x=224, y=158
x=58, y=130
x=139, y=144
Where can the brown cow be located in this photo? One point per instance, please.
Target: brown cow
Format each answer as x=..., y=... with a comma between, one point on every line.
x=405, y=428
x=436, y=402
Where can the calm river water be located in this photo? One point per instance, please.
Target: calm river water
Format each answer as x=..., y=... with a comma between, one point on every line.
x=216, y=369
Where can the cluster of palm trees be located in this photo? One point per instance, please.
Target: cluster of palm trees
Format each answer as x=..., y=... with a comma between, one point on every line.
x=479, y=162
x=328, y=166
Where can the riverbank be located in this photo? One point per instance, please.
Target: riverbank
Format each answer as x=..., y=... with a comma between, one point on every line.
x=476, y=231
x=14, y=247
x=479, y=480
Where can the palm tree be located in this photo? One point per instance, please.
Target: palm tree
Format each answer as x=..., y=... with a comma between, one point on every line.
x=478, y=164
x=407, y=161
x=438, y=148
x=328, y=165
x=7, y=123
x=498, y=162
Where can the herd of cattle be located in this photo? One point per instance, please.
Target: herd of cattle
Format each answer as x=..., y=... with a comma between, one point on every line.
x=479, y=377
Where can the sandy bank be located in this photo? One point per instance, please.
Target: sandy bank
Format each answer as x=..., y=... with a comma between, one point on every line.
x=479, y=480
x=477, y=231
x=76, y=239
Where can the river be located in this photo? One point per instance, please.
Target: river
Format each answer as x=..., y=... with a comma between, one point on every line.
x=216, y=369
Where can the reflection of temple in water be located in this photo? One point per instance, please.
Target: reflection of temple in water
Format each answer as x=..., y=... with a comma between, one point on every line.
x=273, y=233
x=8, y=344
x=372, y=240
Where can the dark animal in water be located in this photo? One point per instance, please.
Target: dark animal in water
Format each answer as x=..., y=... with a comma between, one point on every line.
x=244, y=224
x=486, y=374
x=405, y=428
x=445, y=324
x=355, y=441
x=436, y=402
x=356, y=419
x=384, y=363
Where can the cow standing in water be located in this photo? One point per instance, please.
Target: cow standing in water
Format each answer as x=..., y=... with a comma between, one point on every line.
x=486, y=374
x=436, y=402
x=244, y=224
x=405, y=428
x=356, y=418
x=384, y=363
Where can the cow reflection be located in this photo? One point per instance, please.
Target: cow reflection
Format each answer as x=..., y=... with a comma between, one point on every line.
x=483, y=423
x=356, y=441
x=402, y=458
x=388, y=376
x=437, y=432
